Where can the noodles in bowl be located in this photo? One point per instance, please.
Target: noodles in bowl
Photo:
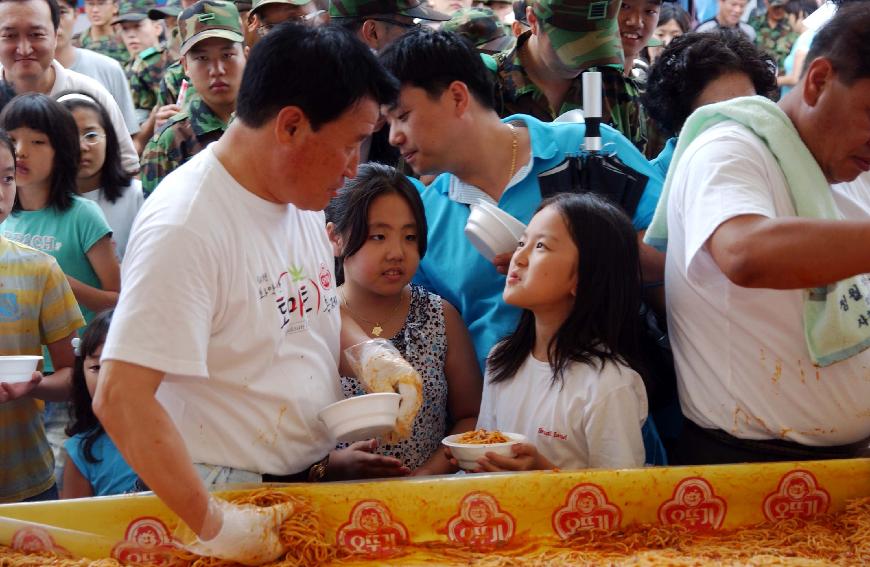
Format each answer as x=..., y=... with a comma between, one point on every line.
x=468, y=447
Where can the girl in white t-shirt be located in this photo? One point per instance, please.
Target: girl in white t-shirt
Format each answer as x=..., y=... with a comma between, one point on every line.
x=567, y=378
x=378, y=228
x=102, y=177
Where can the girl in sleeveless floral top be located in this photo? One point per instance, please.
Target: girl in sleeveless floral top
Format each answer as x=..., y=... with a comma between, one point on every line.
x=378, y=228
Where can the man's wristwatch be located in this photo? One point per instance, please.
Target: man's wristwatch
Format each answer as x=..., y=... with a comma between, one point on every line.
x=318, y=470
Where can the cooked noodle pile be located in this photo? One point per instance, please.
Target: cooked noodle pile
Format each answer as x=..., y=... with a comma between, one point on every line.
x=835, y=539
x=481, y=437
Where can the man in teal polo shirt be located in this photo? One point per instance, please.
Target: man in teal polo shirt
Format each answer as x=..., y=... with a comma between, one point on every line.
x=445, y=123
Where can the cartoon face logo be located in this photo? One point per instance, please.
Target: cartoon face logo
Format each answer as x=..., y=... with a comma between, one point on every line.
x=147, y=541
x=372, y=531
x=325, y=277
x=370, y=521
x=798, y=495
x=480, y=523
x=586, y=507
x=32, y=540
x=694, y=506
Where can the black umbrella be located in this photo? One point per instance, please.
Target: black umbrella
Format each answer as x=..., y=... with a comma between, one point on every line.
x=595, y=170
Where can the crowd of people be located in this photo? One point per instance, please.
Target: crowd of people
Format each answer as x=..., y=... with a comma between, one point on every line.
x=205, y=204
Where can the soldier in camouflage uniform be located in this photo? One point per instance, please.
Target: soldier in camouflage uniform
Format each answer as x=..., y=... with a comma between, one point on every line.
x=482, y=27
x=378, y=23
x=213, y=57
x=100, y=36
x=169, y=12
x=567, y=38
x=150, y=58
x=773, y=32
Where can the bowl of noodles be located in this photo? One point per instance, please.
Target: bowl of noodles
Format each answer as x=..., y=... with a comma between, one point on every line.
x=469, y=446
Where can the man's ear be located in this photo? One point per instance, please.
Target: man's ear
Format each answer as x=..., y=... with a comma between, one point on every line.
x=369, y=32
x=290, y=125
x=460, y=96
x=818, y=77
x=533, y=20
x=334, y=239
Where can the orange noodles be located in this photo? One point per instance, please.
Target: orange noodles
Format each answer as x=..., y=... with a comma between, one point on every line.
x=481, y=437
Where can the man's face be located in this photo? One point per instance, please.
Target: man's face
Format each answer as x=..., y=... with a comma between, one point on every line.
x=140, y=35
x=839, y=126
x=100, y=12
x=215, y=66
x=730, y=11
x=419, y=125
x=67, y=22
x=326, y=157
x=266, y=17
x=27, y=39
x=637, y=22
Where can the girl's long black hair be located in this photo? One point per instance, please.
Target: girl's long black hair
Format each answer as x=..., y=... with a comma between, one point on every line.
x=349, y=210
x=83, y=420
x=114, y=179
x=44, y=114
x=603, y=325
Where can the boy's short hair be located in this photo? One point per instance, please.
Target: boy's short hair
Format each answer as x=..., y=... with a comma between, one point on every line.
x=431, y=60
x=323, y=71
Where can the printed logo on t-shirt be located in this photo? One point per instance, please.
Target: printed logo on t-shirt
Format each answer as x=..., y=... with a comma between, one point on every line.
x=46, y=243
x=552, y=434
x=298, y=296
x=586, y=508
x=372, y=531
x=797, y=496
x=481, y=523
x=694, y=506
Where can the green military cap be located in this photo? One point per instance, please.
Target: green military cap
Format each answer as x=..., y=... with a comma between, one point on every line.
x=482, y=27
x=362, y=8
x=257, y=3
x=583, y=33
x=132, y=11
x=209, y=18
x=170, y=9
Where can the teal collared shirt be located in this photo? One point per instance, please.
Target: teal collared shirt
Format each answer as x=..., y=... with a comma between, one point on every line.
x=456, y=271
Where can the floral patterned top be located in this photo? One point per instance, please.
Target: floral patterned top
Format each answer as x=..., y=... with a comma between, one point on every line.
x=422, y=340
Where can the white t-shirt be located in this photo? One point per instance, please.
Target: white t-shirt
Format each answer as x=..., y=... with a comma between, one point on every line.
x=111, y=75
x=121, y=213
x=234, y=298
x=593, y=421
x=740, y=353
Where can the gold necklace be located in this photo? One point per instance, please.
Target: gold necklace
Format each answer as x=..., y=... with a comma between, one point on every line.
x=377, y=329
x=514, y=145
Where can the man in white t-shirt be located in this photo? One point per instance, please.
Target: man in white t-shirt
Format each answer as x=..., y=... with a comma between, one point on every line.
x=28, y=37
x=739, y=259
x=225, y=342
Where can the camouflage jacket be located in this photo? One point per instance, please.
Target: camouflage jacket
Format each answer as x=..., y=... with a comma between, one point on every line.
x=170, y=85
x=777, y=41
x=111, y=46
x=182, y=137
x=517, y=94
x=144, y=74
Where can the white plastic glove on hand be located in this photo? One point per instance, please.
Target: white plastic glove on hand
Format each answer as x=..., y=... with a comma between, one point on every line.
x=244, y=533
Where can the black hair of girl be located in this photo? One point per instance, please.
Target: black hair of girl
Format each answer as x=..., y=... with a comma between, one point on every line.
x=114, y=179
x=673, y=11
x=6, y=140
x=83, y=420
x=44, y=114
x=349, y=210
x=603, y=324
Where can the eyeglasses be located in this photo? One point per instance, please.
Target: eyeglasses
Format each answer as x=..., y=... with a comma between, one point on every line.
x=397, y=23
x=91, y=138
x=308, y=19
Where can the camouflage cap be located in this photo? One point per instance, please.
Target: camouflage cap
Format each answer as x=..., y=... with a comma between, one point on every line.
x=482, y=27
x=209, y=18
x=583, y=33
x=257, y=4
x=170, y=9
x=361, y=8
x=132, y=11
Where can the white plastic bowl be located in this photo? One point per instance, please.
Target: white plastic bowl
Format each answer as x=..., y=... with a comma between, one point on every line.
x=17, y=368
x=488, y=234
x=361, y=417
x=467, y=455
x=513, y=224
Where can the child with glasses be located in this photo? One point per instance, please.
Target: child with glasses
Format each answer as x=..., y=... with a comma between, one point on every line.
x=101, y=176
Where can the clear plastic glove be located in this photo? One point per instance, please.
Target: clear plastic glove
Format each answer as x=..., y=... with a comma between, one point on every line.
x=245, y=534
x=380, y=367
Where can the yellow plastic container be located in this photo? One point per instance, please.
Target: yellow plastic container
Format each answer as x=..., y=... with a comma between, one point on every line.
x=478, y=512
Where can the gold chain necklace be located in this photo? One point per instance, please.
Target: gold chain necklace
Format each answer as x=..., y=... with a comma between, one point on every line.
x=377, y=329
x=514, y=145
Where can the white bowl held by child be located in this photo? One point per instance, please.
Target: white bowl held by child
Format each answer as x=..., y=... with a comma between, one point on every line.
x=17, y=368
x=467, y=454
x=361, y=417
